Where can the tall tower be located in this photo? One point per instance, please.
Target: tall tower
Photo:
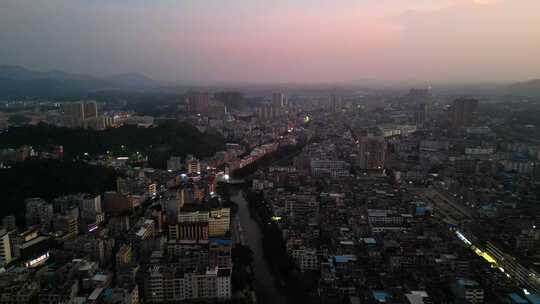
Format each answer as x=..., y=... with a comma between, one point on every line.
x=420, y=113
x=464, y=111
x=79, y=114
x=279, y=100
x=198, y=103
x=335, y=103
x=5, y=247
x=90, y=109
x=73, y=114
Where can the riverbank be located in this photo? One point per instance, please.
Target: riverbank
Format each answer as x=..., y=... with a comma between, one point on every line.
x=296, y=285
x=283, y=153
x=264, y=283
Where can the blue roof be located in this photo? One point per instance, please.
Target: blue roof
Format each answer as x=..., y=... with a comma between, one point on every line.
x=519, y=156
x=489, y=207
x=467, y=282
x=344, y=258
x=381, y=296
x=341, y=259
x=107, y=293
x=533, y=298
x=517, y=299
x=222, y=242
x=370, y=241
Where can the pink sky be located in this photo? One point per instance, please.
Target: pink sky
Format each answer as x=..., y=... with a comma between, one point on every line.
x=279, y=41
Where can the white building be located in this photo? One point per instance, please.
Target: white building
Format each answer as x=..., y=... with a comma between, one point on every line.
x=306, y=259
x=5, y=248
x=168, y=284
x=332, y=168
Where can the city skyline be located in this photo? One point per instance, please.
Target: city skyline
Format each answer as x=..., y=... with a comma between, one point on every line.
x=286, y=151
x=373, y=42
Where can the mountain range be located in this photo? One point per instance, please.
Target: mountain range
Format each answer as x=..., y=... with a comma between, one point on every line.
x=525, y=88
x=19, y=82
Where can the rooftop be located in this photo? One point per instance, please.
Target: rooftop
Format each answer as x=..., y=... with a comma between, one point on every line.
x=467, y=283
x=381, y=296
x=517, y=299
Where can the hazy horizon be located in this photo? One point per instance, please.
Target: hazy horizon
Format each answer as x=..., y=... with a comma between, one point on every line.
x=298, y=42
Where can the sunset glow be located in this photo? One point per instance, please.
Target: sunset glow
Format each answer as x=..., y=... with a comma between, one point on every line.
x=254, y=41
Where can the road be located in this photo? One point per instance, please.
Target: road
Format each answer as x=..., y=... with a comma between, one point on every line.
x=444, y=204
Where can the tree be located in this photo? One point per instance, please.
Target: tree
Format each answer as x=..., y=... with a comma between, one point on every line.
x=242, y=255
x=18, y=119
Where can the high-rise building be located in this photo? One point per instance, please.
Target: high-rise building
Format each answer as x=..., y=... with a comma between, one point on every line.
x=39, y=212
x=416, y=96
x=232, y=99
x=420, y=99
x=197, y=103
x=67, y=224
x=219, y=222
x=193, y=165
x=199, y=225
x=9, y=222
x=219, y=253
x=216, y=110
x=145, y=229
x=172, y=205
x=91, y=210
x=90, y=109
x=267, y=111
x=329, y=168
x=73, y=114
x=91, y=204
x=81, y=114
x=279, y=100
x=372, y=152
x=335, y=103
x=124, y=255
x=173, y=284
x=115, y=202
x=174, y=163
x=467, y=291
x=5, y=247
x=189, y=231
x=421, y=113
x=17, y=239
x=264, y=111
x=193, y=217
x=463, y=112
x=306, y=259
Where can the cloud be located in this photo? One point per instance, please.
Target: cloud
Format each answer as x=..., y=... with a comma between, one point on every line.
x=258, y=40
x=472, y=42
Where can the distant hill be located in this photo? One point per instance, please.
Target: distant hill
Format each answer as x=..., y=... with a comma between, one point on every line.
x=19, y=82
x=132, y=80
x=526, y=88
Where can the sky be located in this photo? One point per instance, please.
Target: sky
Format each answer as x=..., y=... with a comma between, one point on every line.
x=278, y=41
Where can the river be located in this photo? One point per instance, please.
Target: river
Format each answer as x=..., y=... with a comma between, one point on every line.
x=265, y=287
